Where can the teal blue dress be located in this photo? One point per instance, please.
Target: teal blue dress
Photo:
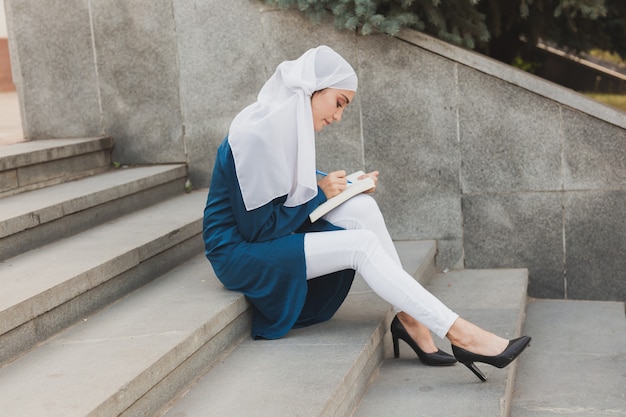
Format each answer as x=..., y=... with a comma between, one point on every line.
x=260, y=253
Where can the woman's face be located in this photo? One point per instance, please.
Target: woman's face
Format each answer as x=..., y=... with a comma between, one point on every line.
x=328, y=105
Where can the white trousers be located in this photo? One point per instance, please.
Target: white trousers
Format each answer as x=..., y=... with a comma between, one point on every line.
x=366, y=247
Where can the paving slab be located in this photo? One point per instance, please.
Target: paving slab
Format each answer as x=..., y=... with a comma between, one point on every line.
x=493, y=299
x=577, y=363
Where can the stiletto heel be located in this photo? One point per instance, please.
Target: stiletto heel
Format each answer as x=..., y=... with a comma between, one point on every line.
x=476, y=371
x=396, y=346
x=439, y=358
x=512, y=351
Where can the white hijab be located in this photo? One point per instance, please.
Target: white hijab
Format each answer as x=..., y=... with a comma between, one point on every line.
x=273, y=139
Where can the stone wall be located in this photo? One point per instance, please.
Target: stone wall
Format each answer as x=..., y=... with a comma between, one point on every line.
x=502, y=168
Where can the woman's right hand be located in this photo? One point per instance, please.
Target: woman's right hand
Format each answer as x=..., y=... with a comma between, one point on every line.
x=333, y=183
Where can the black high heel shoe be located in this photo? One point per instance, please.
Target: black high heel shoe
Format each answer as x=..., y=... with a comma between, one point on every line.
x=512, y=351
x=439, y=358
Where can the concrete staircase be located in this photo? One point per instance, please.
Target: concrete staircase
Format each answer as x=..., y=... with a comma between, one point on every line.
x=109, y=308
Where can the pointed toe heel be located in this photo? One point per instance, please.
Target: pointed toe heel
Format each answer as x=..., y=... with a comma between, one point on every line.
x=512, y=351
x=439, y=358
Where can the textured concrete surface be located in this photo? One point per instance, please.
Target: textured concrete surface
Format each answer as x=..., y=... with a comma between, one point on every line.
x=97, y=255
x=34, y=219
x=499, y=230
x=124, y=350
x=138, y=79
x=495, y=300
x=576, y=365
x=510, y=138
x=302, y=374
x=320, y=370
x=29, y=165
x=26, y=211
x=54, y=70
x=410, y=136
x=595, y=239
x=149, y=342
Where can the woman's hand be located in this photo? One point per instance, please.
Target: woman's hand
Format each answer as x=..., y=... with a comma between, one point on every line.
x=333, y=183
x=373, y=175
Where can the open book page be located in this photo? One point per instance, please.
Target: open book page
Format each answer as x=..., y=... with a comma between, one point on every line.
x=357, y=187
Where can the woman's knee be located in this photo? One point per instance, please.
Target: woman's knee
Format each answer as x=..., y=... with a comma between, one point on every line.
x=364, y=203
x=359, y=212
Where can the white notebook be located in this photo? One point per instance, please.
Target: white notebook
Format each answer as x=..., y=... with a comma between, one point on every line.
x=357, y=186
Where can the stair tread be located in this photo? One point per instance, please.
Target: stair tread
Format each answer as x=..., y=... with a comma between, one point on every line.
x=494, y=299
x=127, y=348
x=311, y=371
x=37, y=151
x=577, y=361
x=299, y=374
x=43, y=278
x=122, y=350
x=30, y=209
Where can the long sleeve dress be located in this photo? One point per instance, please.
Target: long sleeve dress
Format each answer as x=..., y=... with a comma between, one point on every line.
x=260, y=253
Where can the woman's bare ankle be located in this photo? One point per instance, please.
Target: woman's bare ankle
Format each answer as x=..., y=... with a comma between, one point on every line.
x=418, y=332
x=474, y=339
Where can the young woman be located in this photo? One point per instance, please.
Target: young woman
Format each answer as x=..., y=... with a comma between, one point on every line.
x=296, y=273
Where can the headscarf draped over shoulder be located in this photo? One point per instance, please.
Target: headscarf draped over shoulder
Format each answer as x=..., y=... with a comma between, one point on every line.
x=273, y=139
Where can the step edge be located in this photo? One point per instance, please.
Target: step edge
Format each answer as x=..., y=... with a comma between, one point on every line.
x=41, y=302
x=189, y=344
x=35, y=217
x=57, y=149
x=505, y=401
x=183, y=351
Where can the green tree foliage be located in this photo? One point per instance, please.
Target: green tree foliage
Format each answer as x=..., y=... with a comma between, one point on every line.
x=516, y=26
x=456, y=21
x=500, y=28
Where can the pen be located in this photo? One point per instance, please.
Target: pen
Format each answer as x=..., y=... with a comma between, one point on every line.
x=323, y=174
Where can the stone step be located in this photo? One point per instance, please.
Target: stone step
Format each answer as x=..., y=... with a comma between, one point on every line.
x=35, y=218
x=46, y=289
x=577, y=363
x=321, y=370
x=493, y=299
x=131, y=358
x=36, y=164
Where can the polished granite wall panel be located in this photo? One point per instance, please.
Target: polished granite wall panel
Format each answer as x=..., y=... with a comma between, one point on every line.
x=55, y=74
x=595, y=153
x=222, y=68
x=517, y=230
x=595, y=243
x=138, y=79
x=410, y=136
x=510, y=138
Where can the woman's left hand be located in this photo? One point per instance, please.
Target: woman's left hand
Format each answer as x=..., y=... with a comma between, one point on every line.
x=373, y=175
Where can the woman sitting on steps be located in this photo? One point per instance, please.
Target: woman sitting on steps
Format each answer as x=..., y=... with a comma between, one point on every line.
x=295, y=273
